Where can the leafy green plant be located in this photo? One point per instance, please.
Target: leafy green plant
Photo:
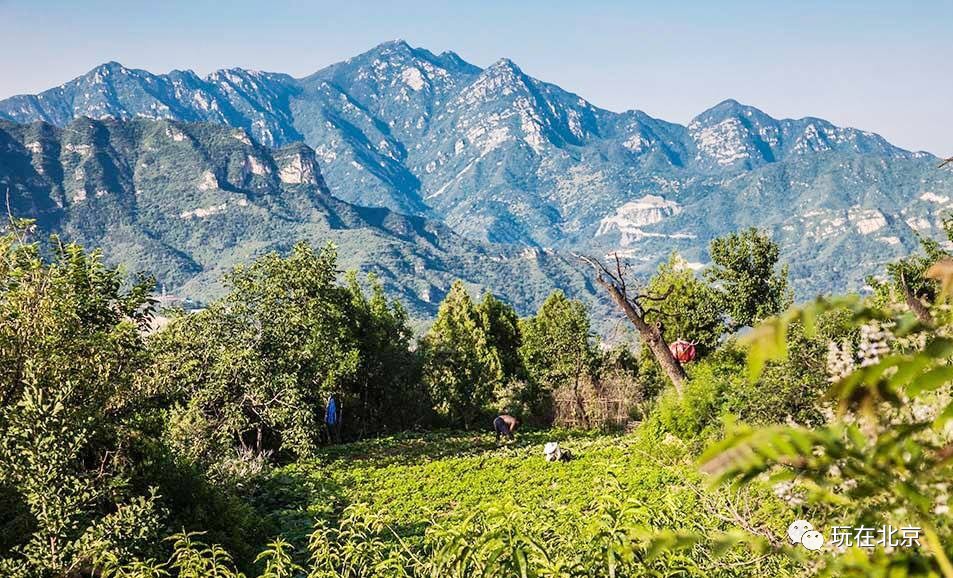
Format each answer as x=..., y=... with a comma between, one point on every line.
x=884, y=458
x=702, y=401
x=557, y=350
x=745, y=272
x=692, y=308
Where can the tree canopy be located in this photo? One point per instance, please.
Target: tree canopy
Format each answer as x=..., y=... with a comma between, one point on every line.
x=461, y=367
x=70, y=352
x=746, y=273
x=691, y=309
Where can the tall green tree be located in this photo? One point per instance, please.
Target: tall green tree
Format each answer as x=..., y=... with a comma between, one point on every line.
x=462, y=369
x=252, y=371
x=557, y=349
x=745, y=271
x=70, y=352
x=386, y=386
x=501, y=324
x=691, y=309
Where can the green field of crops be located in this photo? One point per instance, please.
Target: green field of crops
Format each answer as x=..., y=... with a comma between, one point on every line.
x=406, y=491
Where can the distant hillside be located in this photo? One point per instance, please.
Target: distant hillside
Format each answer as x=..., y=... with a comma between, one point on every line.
x=189, y=201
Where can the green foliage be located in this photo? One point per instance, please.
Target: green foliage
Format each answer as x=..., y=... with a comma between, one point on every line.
x=620, y=357
x=69, y=355
x=703, y=398
x=362, y=544
x=213, y=424
x=195, y=498
x=744, y=268
x=191, y=558
x=557, y=350
x=691, y=309
x=910, y=272
x=252, y=372
x=461, y=366
x=278, y=561
x=883, y=459
x=456, y=505
x=386, y=387
x=501, y=324
x=789, y=389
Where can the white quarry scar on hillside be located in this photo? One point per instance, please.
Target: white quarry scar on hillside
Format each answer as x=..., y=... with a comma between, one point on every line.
x=631, y=219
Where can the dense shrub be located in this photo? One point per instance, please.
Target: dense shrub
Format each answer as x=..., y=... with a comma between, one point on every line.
x=792, y=389
x=703, y=399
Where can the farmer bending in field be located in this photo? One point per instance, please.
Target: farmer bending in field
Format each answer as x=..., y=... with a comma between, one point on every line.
x=505, y=425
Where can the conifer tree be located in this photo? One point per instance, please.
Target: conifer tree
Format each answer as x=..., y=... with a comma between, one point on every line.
x=461, y=367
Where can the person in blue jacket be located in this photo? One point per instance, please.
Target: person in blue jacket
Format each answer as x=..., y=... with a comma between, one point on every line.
x=332, y=419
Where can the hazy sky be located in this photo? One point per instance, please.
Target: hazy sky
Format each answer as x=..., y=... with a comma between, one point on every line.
x=880, y=65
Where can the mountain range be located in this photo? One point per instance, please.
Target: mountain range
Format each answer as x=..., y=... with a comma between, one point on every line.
x=189, y=201
x=494, y=159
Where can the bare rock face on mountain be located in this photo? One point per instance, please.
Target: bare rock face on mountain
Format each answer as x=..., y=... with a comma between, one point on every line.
x=499, y=156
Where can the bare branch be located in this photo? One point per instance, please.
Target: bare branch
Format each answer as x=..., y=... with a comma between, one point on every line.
x=618, y=269
x=651, y=335
x=598, y=266
x=946, y=162
x=661, y=297
x=659, y=312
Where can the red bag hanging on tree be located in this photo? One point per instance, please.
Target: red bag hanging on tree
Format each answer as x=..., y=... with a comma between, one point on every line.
x=683, y=351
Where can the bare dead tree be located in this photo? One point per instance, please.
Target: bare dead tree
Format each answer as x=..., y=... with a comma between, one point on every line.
x=635, y=310
x=913, y=302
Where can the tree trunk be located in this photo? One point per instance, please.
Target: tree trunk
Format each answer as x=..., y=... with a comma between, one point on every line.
x=664, y=356
x=650, y=335
x=915, y=305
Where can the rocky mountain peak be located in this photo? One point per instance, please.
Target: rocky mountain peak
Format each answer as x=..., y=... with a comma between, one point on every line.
x=109, y=67
x=507, y=70
x=729, y=109
x=398, y=45
x=732, y=134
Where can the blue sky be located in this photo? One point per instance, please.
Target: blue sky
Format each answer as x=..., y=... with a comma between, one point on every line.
x=878, y=65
